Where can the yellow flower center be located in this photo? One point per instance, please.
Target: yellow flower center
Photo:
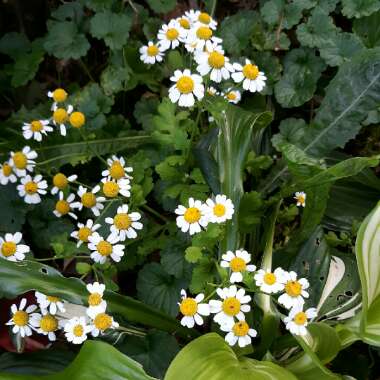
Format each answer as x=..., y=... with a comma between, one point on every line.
x=237, y=264
x=60, y=181
x=59, y=95
x=110, y=189
x=250, y=71
x=48, y=323
x=117, y=170
x=204, y=18
x=63, y=207
x=231, y=96
x=300, y=318
x=216, y=60
x=185, y=84
x=301, y=199
x=269, y=278
x=94, y=299
x=84, y=233
x=240, y=328
x=88, y=200
x=204, y=33
x=122, y=221
x=192, y=215
x=104, y=248
x=36, y=126
x=188, y=307
x=20, y=318
x=293, y=288
x=103, y=321
x=172, y=34
x=152, y=50
x=60, y=115
x=77, y=119
x=184, y=23
x=78, y=330
x=8, y=248
x=20, y=160
x=219, y=209
x=7, y=169
x=31, y=187
x=231, y=306
x=52, y=299
x=210, y=92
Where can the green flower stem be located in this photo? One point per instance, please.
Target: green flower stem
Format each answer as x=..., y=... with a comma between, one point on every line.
x=213, y=7
x=131, y=331
x=154, y=212
x=104, y=210
x=84, y=137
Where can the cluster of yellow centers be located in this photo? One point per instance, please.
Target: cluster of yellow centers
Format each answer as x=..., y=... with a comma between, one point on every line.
x=20, y=318
x=77, y=119
x=116, y=170
x=219, y=210
x=231, y=306
x=237, y=264
x=188, y=307
x=60, y=181
x=94, y=299
x=152, y=50
x=104, y=248
x=78, y=330
x=204, y=33
x=31, y=187
x=240, y=328
x=300, y=318
x=172, y=34
x=36, y=126
x=269, y=278
x=7, y=169
x=88, y=200
x=59, y=95
x=49, y=323
x=250, y=71
x=122, y=221
x=216, y=60
x=63, y=207
x=111, y=189
x=20, y=160
x=8, y=248
x=185, y=84
x=192, y=215
x=84, y=233
x=103, y=321
x=60, y=116
x=293, y=288
x=184, y=22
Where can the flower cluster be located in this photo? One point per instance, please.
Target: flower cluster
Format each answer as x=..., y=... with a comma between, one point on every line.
x=195, y=30
x=233, y=303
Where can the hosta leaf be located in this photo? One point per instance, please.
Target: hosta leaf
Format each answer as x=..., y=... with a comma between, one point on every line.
x=359, y=8
x=368, y=29
x=162, y=6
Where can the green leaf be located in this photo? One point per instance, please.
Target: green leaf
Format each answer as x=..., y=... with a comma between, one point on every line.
x=211, y=358
x=302, y=69
x=96, y=360
x=113, y=79
x=69, y=12
x=359, y=8
x=98, y=5
x=251, y=211
x=144, y=111
x=162, y=6
x=159, y=289
x=173, y=257
x=203, y=272
x=368, y=29
x=14, y=44
x=113, y=28
x=64, y=40
x=193, y=254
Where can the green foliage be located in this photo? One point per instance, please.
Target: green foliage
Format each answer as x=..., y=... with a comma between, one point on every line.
x=368, y=29
x=162, y=6
x=360, y=8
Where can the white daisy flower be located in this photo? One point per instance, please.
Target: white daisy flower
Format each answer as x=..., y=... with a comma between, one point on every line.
x=233, y=96
x=46, y=324
x=21, y=319
x=112, y=188
x=84, y=231
x=201, y=18
x=36, y=129
x=240, y=332
x=214, y=61
x=96, y=303
x=30, y=189
x=233, y=305
x=10, y=249
x=192, y=218
x=51, y=304
x=185, y=23
x=297, y=320
x=294, y=290
x=170, y=35
x=212, y=91
x=60, y=182
x=61, y=117
x=64, y=206
x=151, y=53
x=192, y=309
x=6, y=174
x=237, y=262
x=59, y=95
x=89, y=200
x=103, y=248
x=117, y=168
x=76, y=330
x=124, y=225
x=300, y=197
x=270, y=282
x=23, y=161
x=253, y=79
x=192, y=15
x=186, y=86
x=220, y=209
x=201, y=37
x=101, y=323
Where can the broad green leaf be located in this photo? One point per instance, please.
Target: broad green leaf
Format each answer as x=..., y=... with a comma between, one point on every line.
x=162, y=6
x=98, y=5
x=65, y=41
x=113, y=28
x=204, y=271
x=97, y=361
x=359, y=8
x=18, y=278
x=69, y=12
x=211, y=358
x=14, y=44
x=144, y=111
x=272, y=68
x=251, y=211
x=113, y=79
x=302, y=69
x=368, y=29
